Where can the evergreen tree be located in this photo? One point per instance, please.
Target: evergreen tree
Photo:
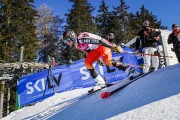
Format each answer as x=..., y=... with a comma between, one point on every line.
x=115, y=26
x=137, y=19
x=48, y=30
x=103, y=19
x=121, y=18
x=17, y=29
x=80, y=20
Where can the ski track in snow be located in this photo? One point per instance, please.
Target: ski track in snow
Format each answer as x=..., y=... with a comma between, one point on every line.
x=47, y=108
x=154, y=97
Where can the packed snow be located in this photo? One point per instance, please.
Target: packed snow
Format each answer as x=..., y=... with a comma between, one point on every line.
x=153, y=97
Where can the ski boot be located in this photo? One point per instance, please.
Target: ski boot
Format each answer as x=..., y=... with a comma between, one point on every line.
x=100, y=83
x=132, y=73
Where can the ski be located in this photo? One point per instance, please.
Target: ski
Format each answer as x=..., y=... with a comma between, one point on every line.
x=87, y=95
x=94, y=91
x=120, y=85
x=91, y=93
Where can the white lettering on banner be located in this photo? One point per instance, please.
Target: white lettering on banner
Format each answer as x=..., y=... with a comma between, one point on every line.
x=39, y=85
x=86, y=73
x=101, y=70
x=31, y=88
x=43, y=84
x=36, y=86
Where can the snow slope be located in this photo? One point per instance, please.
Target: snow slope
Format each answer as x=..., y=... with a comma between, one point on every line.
x=154, y=97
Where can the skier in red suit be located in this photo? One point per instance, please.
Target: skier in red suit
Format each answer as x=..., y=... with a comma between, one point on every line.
x=95, y=47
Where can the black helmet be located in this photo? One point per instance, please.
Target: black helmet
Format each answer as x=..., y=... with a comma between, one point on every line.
x=69, y=36
x=110, y=37
x=174, y=25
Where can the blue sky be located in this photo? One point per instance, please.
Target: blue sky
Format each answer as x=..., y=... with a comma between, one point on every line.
x=166, y=10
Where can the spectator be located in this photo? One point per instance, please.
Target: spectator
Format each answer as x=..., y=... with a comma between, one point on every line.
x=147, y=38
x=174, y=38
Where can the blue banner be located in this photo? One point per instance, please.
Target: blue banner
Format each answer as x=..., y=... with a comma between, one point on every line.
x=38, y=86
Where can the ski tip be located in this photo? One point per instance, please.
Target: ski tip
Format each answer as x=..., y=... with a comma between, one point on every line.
x=105, y=95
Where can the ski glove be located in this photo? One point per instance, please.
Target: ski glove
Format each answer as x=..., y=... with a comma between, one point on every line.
x=117, y=49
x=100, y=62
x=69, y=62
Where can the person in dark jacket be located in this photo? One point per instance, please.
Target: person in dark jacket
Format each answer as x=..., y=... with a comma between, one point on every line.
x=147, y=39
x=174, y=38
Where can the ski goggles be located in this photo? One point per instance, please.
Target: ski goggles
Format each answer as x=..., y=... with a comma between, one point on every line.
x=66, y=40
x=111, y=37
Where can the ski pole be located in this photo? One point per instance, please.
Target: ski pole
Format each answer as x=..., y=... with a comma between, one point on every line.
x=129, y=52
x=148, y=54
x=157, y=55
x=135, y=66
x=138, y=66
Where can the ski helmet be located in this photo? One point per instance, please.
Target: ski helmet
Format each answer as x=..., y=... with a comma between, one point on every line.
x=110, y=37
x=175, y=25
x=69, y=36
